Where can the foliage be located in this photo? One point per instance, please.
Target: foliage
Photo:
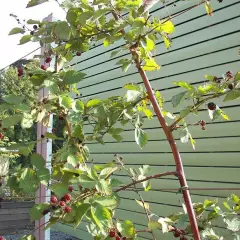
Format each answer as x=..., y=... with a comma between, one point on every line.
x=82, y=190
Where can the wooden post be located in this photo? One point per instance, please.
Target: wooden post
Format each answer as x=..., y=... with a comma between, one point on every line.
x=45, y=149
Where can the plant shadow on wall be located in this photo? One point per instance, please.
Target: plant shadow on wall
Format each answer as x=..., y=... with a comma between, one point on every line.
x=81, y=189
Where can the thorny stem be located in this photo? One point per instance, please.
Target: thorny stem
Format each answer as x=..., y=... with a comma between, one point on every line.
x=199, y=104
x=145, y=179
x=141, y=198
x=178, y=161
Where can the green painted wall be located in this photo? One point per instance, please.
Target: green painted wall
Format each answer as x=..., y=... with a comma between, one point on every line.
x=201, y=45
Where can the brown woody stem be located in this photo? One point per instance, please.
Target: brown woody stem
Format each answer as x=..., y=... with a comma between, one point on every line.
x=178, y=161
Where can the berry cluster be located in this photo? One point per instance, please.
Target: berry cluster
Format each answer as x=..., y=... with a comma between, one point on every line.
x=63, y=203
x=179, y=233
x=202, y=123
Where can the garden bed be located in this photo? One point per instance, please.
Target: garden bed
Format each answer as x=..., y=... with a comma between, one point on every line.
x=14, y=216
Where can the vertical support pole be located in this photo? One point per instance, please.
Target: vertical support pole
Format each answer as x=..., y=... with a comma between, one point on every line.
x=45, y=149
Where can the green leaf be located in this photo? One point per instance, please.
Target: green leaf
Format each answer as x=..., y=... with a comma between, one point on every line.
x=150, y=45
x=16, y=31
x=81, y=211
x=167, y=42
x=176, y=99
x=73, y=76
x=209, y=234
x=27, y=121
x=185, y=85
x=62, y=30
x=27, y=237
x=104, y=187
x=207, y=203
x=119, y=138
x=106, y=172
x=28, y=180
x=209, y=9
x=132, y=86
x=25, y=39
x=145, y=205
x=59, y=189
x=73, y=160
x=233, y=224
x=11, y=121
x=132, y=95
x=210, y=77
x=226, y=205
x=115, y=182
x=36, y=212
x=65, y=101
x=37, y=161
x=31, y=21
x=235, y=198
x=115, y=53
x=232, y=95
x=51, y=136
x=13, y=99
x=184, y=135
x=93, y=102
x=33, y=3
x=167, y=27
x=237, y=76
x=164, y=224
x=78, y=132
x=110, y=202
x=225, y=116
x=141, y=137
x=126, y=229
x=83, y=17
x=154, y=225
x=44, y=176
x=150, y=65
x=78, y=106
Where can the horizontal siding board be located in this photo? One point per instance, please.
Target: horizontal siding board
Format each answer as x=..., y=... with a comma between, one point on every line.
x=166, y=159
x=181, y=29
x=204, y=145
x=201, y=45
x=196, y=173
x=168, y=184
x=212, y=131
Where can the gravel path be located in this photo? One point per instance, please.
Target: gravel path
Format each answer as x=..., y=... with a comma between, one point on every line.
x=55, y=235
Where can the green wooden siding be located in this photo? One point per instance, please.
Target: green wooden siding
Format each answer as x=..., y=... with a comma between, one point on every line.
x=201, y=45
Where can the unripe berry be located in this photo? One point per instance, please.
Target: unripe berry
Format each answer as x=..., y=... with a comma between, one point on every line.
x=70, y=188
x=212, y=106
x=53, y=199
x=118, y=238
x=62, y=203
x=67, y=197
x=67, y=209
x=112, y=233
